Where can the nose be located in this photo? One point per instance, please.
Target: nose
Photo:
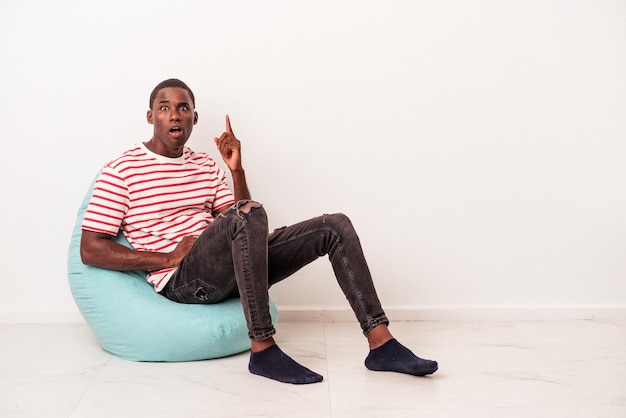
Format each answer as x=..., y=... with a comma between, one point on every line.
x=174, y=114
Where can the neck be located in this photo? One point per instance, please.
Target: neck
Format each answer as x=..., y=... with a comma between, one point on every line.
x=165, y=152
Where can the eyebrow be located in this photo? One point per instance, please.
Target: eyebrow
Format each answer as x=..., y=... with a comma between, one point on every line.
x=179, y=104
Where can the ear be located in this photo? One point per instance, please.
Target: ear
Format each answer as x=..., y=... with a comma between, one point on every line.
x=195, y=117
x=149, y=117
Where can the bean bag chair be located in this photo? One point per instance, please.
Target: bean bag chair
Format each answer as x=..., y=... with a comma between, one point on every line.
x=131, y=321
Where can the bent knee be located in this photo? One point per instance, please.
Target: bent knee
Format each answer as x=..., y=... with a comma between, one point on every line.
x=338, y=220
x=247, y=207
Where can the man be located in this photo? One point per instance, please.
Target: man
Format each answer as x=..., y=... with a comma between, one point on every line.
x=203, y=242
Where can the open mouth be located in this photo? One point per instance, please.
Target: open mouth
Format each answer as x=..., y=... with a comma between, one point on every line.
x=176, y=131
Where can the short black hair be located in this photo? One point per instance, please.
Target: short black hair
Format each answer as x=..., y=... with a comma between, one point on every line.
x=171, y=82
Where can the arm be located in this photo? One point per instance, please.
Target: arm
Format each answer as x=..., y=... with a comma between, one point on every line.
x=98, y=249
x=230, y=149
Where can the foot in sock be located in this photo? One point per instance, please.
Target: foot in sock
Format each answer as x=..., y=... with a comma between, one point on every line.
x=394, y=357
x=274, y=364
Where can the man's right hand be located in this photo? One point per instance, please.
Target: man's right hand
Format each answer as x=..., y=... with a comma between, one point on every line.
x=182, y=249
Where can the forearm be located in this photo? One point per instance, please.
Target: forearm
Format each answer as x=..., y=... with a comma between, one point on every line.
x=240, y=185
x=108, y=254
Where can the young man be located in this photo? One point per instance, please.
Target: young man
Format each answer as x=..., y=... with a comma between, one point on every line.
x=203, y=242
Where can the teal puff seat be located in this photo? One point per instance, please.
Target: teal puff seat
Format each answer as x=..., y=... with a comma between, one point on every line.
x=131, y=321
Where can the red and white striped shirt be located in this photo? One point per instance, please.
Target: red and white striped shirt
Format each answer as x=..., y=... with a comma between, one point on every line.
x=156, y=201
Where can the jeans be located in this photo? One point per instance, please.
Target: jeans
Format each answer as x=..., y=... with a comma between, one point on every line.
x=236, y=257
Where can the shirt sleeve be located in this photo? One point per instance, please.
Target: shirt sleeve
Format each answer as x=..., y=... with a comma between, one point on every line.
x=108, y=205
x=223, y=194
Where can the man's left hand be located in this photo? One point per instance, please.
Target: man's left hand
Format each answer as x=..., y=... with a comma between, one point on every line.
x=230, y=147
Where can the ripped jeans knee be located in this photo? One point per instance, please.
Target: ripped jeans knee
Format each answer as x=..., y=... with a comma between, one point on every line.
x=243, y=206
x=247, y=205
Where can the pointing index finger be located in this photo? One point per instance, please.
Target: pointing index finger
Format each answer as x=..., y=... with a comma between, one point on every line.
x=228, y=127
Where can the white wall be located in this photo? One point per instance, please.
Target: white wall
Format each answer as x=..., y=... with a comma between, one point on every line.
x=479, y=146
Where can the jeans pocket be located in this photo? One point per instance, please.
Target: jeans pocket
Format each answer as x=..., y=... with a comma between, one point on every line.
x=198, y=291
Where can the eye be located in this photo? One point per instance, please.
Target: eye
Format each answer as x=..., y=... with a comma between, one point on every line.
x=183, y=108
x=163, y=108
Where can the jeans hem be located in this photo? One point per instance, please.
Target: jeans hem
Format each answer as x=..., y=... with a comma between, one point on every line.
x=374, y=324
x=263, y=336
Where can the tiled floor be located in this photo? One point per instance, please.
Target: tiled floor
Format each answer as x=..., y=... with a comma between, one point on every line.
x=551, y=369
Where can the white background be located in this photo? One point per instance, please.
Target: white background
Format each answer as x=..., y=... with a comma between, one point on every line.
x=478, y=146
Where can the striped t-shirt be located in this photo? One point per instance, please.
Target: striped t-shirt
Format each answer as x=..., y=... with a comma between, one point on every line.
x=156, y=201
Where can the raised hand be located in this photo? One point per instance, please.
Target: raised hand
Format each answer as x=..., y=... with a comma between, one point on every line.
x=230, y=147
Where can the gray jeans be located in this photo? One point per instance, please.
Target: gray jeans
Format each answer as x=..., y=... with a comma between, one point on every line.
x=236, y=257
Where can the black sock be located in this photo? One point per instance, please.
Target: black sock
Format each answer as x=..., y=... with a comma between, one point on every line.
x=274, y=364
x=394, y=357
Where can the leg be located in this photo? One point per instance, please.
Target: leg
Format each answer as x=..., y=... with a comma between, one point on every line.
x=230, y=259
x=293, y=247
